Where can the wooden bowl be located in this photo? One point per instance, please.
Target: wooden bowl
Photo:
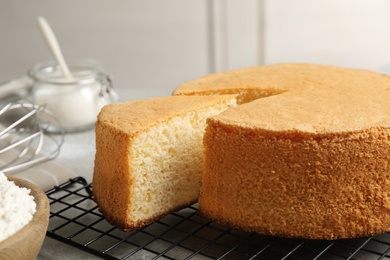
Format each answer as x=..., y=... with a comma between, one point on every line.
x=26, y=243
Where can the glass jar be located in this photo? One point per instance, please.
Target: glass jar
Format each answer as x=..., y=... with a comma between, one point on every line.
x=75, y=103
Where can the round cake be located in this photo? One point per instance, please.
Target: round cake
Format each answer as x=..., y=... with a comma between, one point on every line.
x=306, y=154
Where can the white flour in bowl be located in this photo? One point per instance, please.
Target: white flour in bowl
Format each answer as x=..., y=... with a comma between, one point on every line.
x=17, y=207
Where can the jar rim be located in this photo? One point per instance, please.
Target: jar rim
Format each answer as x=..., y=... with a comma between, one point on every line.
x=85, y=71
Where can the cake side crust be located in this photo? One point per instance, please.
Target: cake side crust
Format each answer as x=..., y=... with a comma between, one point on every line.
x=112, y=179
x=296, y=184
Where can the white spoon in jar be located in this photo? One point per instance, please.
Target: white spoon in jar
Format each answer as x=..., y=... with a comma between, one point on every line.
x=54, y=47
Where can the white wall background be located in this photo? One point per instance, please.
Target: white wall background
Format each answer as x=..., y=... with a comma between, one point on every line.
x=142, y=43
x=157, y=45
x=352, y=33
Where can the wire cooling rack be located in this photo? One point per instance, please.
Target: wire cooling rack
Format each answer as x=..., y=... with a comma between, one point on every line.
x=76, y=220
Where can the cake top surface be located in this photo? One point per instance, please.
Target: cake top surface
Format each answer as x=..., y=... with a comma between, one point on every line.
x=309, y=97
x=274, y=77
x=137, y=115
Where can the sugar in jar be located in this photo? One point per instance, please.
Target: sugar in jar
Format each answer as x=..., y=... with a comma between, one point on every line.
x=75, y=102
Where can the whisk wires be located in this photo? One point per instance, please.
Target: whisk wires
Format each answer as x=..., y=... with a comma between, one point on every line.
x=23, y=139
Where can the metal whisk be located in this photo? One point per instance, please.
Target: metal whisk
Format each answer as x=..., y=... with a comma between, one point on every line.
x=23, y=139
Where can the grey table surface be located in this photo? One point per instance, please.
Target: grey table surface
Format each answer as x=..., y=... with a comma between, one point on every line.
x=77, y=153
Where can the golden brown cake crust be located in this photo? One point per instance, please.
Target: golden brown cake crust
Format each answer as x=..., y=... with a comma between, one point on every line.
x=296, y=184
x=111, y=173
x=310, y=162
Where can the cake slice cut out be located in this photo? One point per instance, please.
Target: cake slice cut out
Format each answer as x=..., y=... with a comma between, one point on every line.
x=149, y=156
